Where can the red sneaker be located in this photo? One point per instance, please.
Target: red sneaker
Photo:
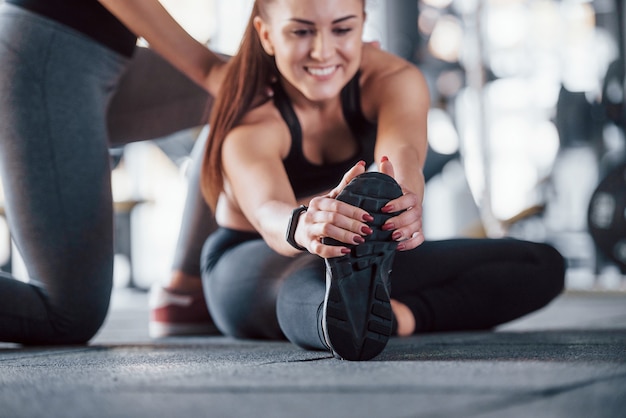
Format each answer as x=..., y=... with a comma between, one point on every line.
x=176, y=313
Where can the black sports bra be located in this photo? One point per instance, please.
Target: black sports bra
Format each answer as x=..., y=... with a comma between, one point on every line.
x=308, y=179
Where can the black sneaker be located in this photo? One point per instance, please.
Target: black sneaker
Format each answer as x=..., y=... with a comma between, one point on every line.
x=357, y=316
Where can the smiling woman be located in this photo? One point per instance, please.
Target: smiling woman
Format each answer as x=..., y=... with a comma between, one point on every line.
x=328, y=50
x=307, y=238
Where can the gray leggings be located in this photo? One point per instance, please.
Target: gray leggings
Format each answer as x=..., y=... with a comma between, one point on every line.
x=56, y=126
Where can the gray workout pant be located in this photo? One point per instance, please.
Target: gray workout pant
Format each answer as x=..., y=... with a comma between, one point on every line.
x=56, y=126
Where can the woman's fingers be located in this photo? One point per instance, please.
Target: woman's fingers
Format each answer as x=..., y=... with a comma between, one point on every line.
x=407, y=228
x=386, y=167
x=328, y=251
x=416, y=239
x=330, y=218
x=335, y=219
x=358, y=168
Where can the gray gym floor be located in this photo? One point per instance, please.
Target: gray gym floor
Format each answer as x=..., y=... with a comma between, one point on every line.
x=567, y=360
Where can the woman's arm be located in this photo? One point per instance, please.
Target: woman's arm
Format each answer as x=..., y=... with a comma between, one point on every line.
x=400, y=100
x=150, y=20
x=256, y=180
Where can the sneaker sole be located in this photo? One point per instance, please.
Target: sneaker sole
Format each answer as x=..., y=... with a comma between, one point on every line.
x=357, y=316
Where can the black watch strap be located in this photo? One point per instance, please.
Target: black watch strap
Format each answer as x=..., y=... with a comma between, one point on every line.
x=291, y=228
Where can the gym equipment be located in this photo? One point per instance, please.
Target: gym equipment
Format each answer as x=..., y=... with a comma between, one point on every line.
x=606, y=216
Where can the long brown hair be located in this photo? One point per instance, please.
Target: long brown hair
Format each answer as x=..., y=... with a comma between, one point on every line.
x=249, y=74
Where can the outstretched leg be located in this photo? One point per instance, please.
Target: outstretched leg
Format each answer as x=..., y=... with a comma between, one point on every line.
x=470, y=284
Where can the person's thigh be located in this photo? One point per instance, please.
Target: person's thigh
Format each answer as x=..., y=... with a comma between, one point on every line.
x=54, y=165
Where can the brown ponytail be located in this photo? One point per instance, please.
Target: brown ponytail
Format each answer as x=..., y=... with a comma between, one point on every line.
x=249, y=74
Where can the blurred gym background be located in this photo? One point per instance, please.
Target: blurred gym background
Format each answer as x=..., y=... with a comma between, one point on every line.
x=526, y=131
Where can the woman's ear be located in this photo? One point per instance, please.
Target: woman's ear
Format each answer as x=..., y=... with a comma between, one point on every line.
x=264, y=35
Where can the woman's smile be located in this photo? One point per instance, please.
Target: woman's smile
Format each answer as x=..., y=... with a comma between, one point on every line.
x=322, y=72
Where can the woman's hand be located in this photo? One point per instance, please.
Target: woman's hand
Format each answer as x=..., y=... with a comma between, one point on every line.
x=328, y=217
x=407, y=226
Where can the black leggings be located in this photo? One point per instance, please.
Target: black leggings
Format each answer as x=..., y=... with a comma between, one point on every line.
x=451, y=285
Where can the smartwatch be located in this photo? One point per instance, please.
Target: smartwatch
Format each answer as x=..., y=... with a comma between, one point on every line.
x=291, y=228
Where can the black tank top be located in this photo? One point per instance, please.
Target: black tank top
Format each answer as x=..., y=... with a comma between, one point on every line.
x=308, y=179
x=88, y=17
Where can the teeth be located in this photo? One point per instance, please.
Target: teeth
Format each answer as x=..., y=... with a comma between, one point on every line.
x=321, y=72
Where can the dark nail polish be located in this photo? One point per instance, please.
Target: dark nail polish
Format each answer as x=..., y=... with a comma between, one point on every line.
x=359, y=239
x=368, y=218
x=396, y=235
x=388, y=226
x=366, y=230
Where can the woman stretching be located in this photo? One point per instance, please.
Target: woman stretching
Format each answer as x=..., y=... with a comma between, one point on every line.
x=312, y=247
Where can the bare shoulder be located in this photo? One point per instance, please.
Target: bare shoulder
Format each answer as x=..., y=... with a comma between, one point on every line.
x=386, y=76
x=261, y=131
x=378, y=65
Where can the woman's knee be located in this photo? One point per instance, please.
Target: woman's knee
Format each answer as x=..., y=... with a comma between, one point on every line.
x=80, y=329
x=73, y=325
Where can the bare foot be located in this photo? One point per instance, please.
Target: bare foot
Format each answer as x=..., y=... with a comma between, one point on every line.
x=404, y=318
